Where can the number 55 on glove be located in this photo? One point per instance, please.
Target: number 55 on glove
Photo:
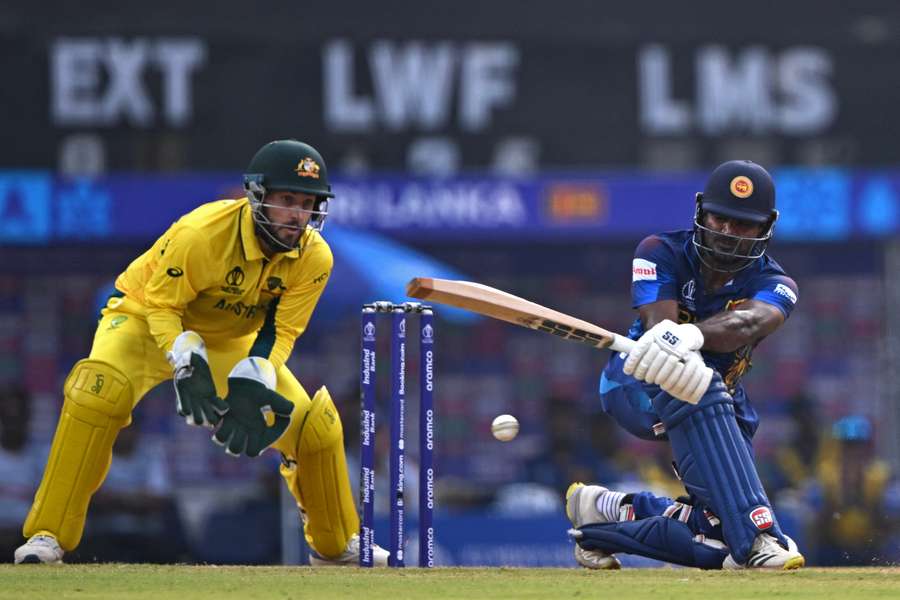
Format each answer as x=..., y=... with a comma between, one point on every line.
x=252, y=404
x=668, y=355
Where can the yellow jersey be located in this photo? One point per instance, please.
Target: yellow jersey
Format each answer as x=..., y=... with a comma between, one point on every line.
x=207, y=273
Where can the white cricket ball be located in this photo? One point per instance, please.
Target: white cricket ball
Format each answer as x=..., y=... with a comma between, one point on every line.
x=505, y=428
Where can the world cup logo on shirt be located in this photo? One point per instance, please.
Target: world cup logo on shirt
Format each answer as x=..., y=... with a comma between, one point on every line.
x=687, y=294
x=235, y=276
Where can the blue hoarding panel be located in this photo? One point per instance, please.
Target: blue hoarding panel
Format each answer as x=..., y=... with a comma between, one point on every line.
x=815, y=205
x=481, y=539
x=25, y=207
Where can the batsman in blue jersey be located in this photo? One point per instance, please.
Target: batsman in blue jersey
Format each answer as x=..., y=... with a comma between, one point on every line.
x=705, y=297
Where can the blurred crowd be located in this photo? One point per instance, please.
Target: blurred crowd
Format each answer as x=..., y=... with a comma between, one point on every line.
x=172, y=496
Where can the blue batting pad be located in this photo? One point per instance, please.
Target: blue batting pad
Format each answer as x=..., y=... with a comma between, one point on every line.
x=715, y=464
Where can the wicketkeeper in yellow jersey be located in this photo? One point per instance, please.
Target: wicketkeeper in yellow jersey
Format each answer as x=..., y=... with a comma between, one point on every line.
x=216, y=304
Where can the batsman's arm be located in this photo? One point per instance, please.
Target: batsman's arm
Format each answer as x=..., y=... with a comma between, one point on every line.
x=746, y=325
x=654, y=312
x=726, y=331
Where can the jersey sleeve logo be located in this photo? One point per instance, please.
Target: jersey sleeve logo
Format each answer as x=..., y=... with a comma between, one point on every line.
x=783, y=290
x=643, y=270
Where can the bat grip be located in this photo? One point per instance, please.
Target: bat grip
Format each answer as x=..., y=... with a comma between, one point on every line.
x=622, y=344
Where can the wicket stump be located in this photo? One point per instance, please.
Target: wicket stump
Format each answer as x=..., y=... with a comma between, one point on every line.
x=368, y=395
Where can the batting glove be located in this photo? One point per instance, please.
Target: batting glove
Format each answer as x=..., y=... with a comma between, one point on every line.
x=687, y=379
x=195, y=392
x=663, y=340
x=668, y=355
x=257, y=415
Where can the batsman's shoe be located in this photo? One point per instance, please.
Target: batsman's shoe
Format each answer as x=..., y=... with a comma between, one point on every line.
x=596, y=559
x=39, y=549
x=581, y=504
x=581, y=508
x=767, y=553
x=350, y=556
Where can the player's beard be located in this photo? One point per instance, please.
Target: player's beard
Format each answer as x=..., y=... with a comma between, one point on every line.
x=722, y=252
x=288, y=235
x=725, y=250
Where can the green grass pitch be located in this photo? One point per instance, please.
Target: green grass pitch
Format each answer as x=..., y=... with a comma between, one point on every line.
x=179, y=582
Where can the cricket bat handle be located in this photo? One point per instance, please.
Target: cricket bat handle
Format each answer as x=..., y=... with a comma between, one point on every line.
x=622, y=343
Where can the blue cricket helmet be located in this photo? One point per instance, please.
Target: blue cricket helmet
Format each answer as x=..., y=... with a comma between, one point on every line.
x=737, y=189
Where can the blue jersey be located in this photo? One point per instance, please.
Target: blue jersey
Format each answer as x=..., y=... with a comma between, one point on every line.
x=666, y=267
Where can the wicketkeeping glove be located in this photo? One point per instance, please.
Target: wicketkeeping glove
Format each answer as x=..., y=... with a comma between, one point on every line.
x=195, y=392
x=252, y=403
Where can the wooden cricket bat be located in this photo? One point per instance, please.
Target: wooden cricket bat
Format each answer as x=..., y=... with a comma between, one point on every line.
x=495, y=303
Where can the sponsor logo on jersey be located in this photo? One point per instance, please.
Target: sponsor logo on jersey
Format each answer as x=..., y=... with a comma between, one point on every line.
x=643, y=270
x=741, y=186
x=174, y=272
x=783, y=290
x=308, y=168
x=321, y=277
x=762, y=517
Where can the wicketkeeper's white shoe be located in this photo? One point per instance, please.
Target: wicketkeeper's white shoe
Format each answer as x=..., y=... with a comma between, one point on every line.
x=767, y=553
x=39, y=549
x=350, y=556
x=581, y=508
